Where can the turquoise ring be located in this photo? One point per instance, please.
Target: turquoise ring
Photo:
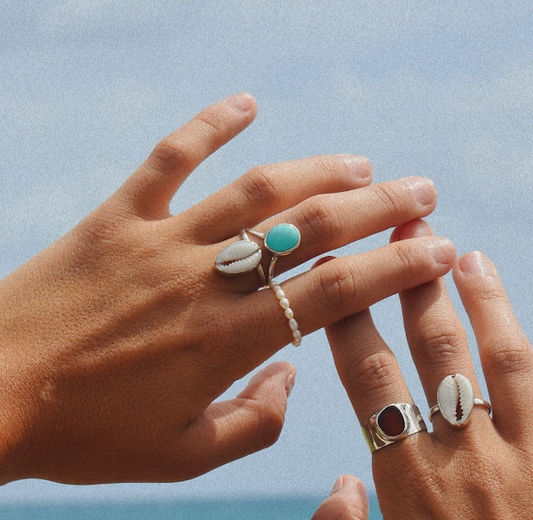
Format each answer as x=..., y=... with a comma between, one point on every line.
x=245, y=255
x=281, y=240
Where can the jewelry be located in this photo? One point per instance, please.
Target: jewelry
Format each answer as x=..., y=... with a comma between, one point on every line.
x=393, y=423
x=455, y=401
x=289, y=314
x=241, y=257
x=245, y=255
x=281, y=240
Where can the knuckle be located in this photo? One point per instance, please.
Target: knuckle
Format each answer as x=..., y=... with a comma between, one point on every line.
x=172, y=154
x=374, y=371
x=489, y=295
x=337, y=286
x=267, y=424
x=405, y=257
x=322, y=221
x=442, y=344
x=388, y=198
x=328, y=164
x=508, y=361
x=212, y=121
x=258, y=187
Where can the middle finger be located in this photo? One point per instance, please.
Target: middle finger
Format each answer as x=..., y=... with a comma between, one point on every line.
x=329, y=221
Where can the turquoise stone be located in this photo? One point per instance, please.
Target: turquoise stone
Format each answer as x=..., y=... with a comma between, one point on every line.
x=282, y=239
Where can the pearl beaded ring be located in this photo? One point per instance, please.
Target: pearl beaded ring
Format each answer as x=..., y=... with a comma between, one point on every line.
x=289, y=314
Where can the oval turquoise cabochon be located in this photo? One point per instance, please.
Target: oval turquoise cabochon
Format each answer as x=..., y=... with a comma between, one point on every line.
x=282, y=239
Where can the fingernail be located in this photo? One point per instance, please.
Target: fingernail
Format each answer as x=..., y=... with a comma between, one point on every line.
x=442, y=249
x=242, y=102
x=339, y=483
x=423, y=190
x=420, y=228
x=322, y=261
x=359, y=166
x=414, y=229
x=289, y=384
x=476, y=263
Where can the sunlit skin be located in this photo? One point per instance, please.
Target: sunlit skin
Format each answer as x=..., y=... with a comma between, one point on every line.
x=117, y=339
x=483, y=471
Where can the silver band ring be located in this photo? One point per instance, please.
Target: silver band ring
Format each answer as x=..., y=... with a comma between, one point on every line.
x=477, y=402
x=392, y=424
x=455, y=401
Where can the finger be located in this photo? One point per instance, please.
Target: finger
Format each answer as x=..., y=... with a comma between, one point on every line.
x=331, y=221
x=435, y=335
x=150, y=189
x=269, y=189
x=506, y=355
x=367, y=367
x=327, y=222
x=348, y=501
x=252, y=421
x=324, y=295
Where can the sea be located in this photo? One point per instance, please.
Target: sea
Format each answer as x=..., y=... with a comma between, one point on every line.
x=250, y=509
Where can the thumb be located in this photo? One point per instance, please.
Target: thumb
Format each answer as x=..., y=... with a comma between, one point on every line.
x=232, y=429
x=348, y=501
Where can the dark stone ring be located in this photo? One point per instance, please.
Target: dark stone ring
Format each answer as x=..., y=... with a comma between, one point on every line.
x=393, y=423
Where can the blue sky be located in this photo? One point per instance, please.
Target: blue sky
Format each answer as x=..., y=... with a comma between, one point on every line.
x=442, y=89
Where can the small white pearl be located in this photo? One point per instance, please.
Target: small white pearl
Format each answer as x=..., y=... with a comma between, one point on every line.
x=293, y=324
x=280, y=294
x=289, y=313
x=284, y=303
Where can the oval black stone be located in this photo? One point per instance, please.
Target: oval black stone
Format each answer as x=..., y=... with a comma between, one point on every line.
x=391, y=421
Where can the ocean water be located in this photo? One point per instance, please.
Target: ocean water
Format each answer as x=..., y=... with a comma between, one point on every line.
x=254, y=509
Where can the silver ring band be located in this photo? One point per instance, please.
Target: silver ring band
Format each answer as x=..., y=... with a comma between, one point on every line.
x=393, y=423
x=477, y=402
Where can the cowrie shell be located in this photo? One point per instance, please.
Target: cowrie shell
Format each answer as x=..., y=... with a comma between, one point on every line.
x=455, y=398
x=240, y=257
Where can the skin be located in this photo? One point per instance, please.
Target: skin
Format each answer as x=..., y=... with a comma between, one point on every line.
x=118, y=338
x=483, y=471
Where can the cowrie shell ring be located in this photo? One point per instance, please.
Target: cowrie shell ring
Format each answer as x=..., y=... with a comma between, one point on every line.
x=455, y=401
x=245, y=255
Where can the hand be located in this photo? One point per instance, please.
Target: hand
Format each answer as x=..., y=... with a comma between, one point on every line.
x=116, y=340
x=483, y=471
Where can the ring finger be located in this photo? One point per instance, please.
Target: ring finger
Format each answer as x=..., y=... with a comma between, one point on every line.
x=435, y=335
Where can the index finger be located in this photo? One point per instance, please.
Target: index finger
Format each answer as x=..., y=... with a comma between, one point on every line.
x=150, y=189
